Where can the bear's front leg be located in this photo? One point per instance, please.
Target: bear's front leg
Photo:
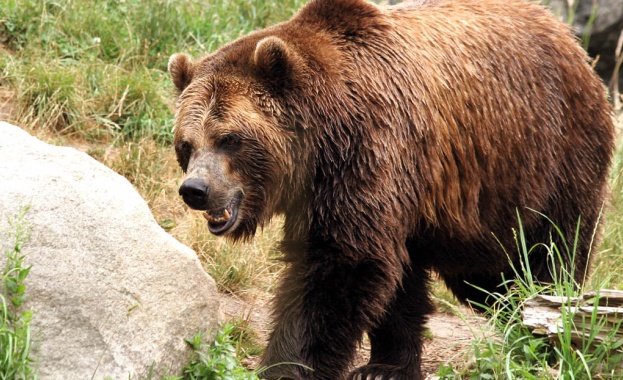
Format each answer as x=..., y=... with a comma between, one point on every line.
x=396, y=341
x=323, y=306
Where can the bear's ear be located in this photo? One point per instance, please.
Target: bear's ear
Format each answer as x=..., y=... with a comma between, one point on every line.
x=181, y=69
x=276, y=60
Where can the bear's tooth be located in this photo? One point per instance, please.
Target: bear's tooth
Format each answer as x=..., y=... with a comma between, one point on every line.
x=226, y=215
x=206, y=216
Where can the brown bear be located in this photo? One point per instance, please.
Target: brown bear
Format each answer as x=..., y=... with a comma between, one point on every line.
x=398, y=142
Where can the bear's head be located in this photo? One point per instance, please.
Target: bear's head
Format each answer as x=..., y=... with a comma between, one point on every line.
x=234, y=137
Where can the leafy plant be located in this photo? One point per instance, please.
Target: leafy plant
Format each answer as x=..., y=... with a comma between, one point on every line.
x=15, y=339
x=217, y=360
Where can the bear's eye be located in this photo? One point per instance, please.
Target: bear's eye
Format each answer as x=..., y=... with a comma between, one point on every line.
x=183, y=152
x=229, y=142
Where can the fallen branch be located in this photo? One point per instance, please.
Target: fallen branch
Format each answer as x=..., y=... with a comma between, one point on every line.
x=593, y=319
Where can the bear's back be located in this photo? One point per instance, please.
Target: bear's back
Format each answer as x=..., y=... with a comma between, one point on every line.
x=468, y=93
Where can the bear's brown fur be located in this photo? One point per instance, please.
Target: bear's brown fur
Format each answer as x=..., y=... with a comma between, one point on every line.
x=396, y=141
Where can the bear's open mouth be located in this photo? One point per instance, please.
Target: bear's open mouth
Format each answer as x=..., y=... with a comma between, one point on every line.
x=222, y=219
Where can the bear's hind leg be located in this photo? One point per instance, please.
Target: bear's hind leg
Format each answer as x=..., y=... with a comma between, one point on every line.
x=397, y=341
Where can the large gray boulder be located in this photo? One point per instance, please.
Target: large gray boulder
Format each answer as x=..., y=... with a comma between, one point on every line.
x=112, y=293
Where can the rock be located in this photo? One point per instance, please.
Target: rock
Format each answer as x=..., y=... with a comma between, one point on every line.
x=604, y=32
x=112, y=293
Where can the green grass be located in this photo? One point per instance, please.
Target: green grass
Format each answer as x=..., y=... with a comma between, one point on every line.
x=91, y=101
x=220, y=359
x=569, y=15
x=511, y=351
x=15, y=338
x=96, y=70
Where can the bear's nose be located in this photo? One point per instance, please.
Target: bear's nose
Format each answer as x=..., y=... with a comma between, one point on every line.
x=195, y=191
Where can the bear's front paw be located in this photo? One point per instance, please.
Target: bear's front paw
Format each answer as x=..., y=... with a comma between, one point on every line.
x=385, y=372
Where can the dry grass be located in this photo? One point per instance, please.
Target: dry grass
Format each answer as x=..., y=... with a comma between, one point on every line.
x=237, y=268
x=608, y=257
x=240, y=268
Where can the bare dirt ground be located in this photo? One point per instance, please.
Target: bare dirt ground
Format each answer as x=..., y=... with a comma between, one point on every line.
x=449, y=342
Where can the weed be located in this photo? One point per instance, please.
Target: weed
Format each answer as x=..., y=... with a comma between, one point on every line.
x=569, y=15
x=15, y=339
x=217, y=360
x=144, y=164
x=220, y=359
